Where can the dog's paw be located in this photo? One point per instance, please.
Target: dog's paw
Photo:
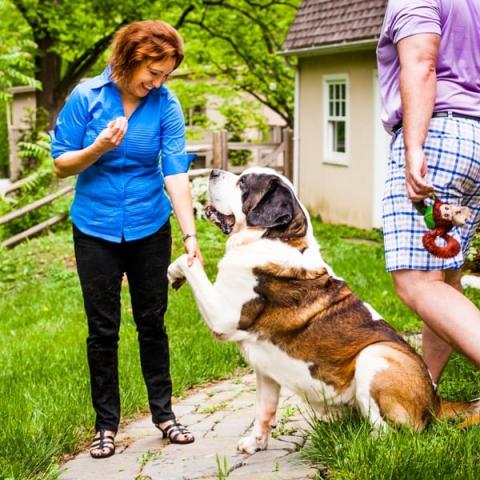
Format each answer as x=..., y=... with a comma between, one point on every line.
x=175, y=271
x=252, y=444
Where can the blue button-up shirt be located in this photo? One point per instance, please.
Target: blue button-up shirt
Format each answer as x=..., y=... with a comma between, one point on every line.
x=122, y=194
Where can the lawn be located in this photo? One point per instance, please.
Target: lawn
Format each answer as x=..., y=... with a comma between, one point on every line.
x=45, y=407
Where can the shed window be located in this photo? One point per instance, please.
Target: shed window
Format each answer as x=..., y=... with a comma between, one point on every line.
x=336, y=91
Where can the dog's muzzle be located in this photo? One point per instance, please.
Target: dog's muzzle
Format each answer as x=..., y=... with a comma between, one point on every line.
x=224, y=222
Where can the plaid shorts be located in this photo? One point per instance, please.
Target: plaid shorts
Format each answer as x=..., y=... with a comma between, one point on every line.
x=452, y=149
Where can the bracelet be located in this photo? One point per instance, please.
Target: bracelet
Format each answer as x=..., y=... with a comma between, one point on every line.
x=188, y=235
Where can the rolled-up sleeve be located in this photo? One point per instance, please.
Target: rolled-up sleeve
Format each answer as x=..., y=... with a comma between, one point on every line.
x=413, y=17
x=175, y=159
x=71, y=123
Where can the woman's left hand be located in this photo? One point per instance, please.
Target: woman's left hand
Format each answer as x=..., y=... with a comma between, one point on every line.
x=193, y=250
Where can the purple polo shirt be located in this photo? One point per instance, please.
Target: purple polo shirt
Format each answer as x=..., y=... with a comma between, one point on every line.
x=458, y=62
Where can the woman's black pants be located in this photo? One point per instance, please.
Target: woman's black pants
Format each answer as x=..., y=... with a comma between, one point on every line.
x=101, y=265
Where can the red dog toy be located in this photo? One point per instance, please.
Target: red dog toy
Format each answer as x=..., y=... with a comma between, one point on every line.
x=441, y=217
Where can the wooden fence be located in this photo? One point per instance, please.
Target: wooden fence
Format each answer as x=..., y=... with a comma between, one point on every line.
x=275, y=155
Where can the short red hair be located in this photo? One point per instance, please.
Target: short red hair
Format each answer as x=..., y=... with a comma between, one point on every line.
x=136, y=42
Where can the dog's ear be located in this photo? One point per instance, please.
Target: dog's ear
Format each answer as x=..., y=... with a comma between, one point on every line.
x=273, y=207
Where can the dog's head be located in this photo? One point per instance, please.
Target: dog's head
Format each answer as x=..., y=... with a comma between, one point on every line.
x=259, y=198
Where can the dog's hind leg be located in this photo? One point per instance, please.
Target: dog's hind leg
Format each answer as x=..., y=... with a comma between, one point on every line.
x=393, y=386
x=268, y=393
x=369, y=362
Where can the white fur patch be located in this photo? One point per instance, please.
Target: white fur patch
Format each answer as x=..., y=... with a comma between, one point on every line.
x=375, y=315
x=369, y=362
x=292, y=373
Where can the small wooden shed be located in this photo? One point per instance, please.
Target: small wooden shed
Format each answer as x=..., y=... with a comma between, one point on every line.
x=340, y=145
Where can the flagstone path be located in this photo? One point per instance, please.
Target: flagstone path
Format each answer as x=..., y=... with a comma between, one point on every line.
x=218, y=415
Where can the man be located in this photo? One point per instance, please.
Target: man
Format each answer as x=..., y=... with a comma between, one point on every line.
x=429, y=71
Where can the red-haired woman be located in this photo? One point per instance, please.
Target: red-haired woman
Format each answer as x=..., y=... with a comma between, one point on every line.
x=123, y=133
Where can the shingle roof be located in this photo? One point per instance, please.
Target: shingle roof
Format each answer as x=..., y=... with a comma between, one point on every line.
x=324, y=22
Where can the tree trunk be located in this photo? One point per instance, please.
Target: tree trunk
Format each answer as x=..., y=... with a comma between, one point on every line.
x=48, y=66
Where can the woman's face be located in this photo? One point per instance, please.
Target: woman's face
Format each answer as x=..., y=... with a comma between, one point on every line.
x=149, y=75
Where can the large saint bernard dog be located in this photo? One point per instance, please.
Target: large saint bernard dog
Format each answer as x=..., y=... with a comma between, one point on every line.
x=296, y=323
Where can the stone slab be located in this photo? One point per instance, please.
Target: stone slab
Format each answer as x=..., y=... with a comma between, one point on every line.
x=228, y=414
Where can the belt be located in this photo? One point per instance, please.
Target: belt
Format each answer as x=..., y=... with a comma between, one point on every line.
x=443, y=115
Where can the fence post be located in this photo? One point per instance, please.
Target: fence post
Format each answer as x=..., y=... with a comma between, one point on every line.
x=288, y=153
x=220, y=150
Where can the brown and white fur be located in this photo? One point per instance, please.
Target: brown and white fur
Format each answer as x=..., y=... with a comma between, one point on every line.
x=296, y=323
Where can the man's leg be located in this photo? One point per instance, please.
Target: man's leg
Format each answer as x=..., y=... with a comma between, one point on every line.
x=436, y=351
x=448, y=314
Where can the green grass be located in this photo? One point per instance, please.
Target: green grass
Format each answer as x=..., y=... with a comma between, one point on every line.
x=345, y=449
x=45, y=408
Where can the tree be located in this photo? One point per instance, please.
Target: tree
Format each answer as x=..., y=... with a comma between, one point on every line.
x=15, y=57
x=238, y=37
x=240, y=40
x=72, y=36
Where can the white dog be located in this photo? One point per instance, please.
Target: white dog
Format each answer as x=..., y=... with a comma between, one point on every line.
x=296, y=323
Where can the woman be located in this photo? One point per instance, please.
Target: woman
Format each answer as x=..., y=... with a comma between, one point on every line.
x=123, y=133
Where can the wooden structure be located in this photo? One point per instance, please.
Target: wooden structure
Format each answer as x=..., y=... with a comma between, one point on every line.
x=279, y=156
x=23, y=100
x=340, y=144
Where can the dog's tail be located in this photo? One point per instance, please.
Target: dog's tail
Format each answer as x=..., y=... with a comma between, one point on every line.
x=469, y=411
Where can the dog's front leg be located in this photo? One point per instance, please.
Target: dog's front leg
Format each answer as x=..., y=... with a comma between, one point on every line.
x=215, y=310
x=268, y=393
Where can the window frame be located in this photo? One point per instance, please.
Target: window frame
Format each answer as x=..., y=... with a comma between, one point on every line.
x=329, y=155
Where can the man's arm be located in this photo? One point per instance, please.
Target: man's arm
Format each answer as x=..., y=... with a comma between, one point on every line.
x=418, y=58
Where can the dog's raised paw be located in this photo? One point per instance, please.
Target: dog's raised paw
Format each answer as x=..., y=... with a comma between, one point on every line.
x=175, y=274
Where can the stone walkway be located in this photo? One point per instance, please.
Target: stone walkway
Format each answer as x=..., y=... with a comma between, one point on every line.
x=218, y=416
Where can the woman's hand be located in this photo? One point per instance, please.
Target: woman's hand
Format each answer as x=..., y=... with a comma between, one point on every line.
x=193, y=250
x=75, y=162
x=112, y=136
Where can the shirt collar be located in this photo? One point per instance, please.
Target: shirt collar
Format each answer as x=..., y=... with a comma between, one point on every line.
x=105, y=78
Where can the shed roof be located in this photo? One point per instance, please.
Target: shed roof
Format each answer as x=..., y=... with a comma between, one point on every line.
x=326, y=22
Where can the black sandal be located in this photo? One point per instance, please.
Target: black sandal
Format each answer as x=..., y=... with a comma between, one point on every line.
x=173, y=430
x=101, y=442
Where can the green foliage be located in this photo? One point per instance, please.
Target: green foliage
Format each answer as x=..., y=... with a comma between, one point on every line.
x=473, y=254
x=34, y=144
x=16, y=55
x=241, y=116
x=222, y=467
x=199, y=188
x=14, y=60
x=192, y=94
x=237, y=39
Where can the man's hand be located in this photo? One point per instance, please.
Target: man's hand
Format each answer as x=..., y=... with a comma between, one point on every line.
x=112, y=136
x=415, y=171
